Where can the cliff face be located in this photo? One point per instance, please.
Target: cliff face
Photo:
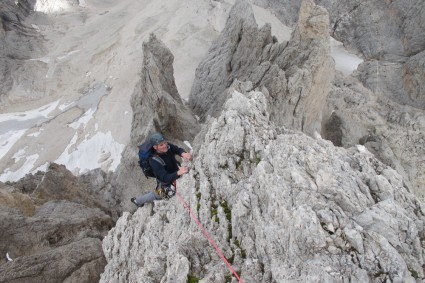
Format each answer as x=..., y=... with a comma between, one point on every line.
x=377, y=29
x=282, y=205
x=300, y=173
x=19, y=41
x=382, y=107
x=296, y=74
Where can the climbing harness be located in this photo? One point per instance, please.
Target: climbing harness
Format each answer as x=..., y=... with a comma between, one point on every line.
x=165, y=192
x=219, y=252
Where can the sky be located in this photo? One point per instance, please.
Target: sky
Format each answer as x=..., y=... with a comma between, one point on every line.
x=87, y=123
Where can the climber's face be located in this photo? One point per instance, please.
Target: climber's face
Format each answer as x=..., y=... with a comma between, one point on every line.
x=161, y=147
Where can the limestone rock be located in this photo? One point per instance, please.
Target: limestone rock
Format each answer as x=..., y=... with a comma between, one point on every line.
x=297, y=74
x=18, y=42
x=414, y=79
x=157, y=106
x=379, y=29
x=309, y=72
x=52, y=227
x=384, y=34
x=235, y=53
x=393, y=132
x=281, y=205
x=386, y=30
x=400, y=82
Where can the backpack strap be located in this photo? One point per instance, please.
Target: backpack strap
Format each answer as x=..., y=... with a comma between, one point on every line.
x=158, y=159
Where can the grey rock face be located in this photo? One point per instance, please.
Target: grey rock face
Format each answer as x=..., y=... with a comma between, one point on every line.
x=296, y=75
x=393, y=132
x=52, y=228
x=391, y=44
x=18, y=42
x=413, y=79
x=387, y=34
x=401, y=82
x=281, y=205
x=310, y=70
x=235, y=53
x=385, y=114
x=377, y=29
x=157, y=107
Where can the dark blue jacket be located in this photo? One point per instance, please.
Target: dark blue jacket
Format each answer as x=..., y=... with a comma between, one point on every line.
x=168, y=173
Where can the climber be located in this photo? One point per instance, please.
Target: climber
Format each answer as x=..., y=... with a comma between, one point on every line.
x=165, y=169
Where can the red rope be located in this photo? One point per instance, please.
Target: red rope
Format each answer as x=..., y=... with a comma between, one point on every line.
x=220, y=253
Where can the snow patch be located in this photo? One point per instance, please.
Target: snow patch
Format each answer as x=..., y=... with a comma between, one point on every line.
x=82, y=122
x=49, y=7
x=22, y=171
x=345, y=61
x=8, y=139
x=42, y=111
x=100, y=151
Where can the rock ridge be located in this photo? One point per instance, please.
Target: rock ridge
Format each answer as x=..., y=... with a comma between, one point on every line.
x=281, y=205
x=296, y=74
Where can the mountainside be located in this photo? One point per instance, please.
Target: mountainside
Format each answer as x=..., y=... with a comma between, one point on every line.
x=281, y=205
x=52, y=225
x=301, y=171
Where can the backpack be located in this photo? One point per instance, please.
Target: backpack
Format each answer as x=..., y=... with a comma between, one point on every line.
x=146, y=152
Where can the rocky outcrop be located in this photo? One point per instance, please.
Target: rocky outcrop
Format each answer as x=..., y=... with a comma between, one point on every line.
x=157, y=107
x=297, y=74
x=52, y=229
x=156, y=103
x=389, y=35
x=281, y=206
x=385, y=112
x=413, y=76
x=400, y=82
x=385, y=30
x=379, y=29
x=235, y=53
x=394, y=133
x=309, y=72
x=19, y=41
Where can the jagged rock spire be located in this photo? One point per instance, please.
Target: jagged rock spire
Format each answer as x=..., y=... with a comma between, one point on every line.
x=156, y=102
x=297, y=74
